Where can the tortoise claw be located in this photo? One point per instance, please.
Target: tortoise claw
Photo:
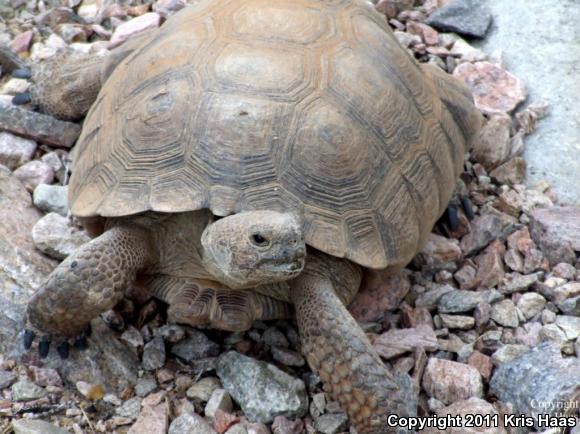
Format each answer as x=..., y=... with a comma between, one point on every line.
x=28, y=338
x=81, y=343
x=63, y=350
x=452, y=217
x=25, y=73
x=22, y=98
x=467, y=208
x=43, y=347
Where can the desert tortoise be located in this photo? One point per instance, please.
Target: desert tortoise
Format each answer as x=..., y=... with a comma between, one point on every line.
x=250, y=157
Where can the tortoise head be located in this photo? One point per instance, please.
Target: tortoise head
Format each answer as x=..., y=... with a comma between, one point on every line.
x=254, y=248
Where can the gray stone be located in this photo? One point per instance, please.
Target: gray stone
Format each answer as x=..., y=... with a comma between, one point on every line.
x=485, y=229
x=430, y=299
x=540, y=381
x=262, y=390
x=570, y=325
x=145, y=386
x=190, y=424
x=35, y=426
x=459, y=301
x=509, y=352
x=331, y=423
x=457, y=321
x=220, y=399
x=195, y=346
x=531, y=304
x=450, y=381
x=130, y=408
x=570, y=306
x=504, y=313
x=516, y=282
x=552, y=333
x=51, y=198
x=25, y=390
x=275, y=338
x=15, y=151
x=7, y=379
x=55, y=236
x=466, y=17
x=154, y=354
x=287, y=357
x=171, y=333
x=36, y=126
x=556, y=230
x=203, y=389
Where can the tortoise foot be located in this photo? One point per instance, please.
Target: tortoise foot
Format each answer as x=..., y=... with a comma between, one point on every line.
x=61, y=343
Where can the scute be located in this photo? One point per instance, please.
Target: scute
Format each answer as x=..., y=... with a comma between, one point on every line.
x=307, y=106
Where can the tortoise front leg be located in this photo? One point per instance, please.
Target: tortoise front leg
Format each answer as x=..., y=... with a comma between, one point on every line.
x=90, y=281
x=340, y=353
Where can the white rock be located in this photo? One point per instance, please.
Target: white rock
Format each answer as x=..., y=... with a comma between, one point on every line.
x=15, y=151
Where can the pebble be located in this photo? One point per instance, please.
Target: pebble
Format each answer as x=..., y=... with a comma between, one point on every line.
x=240, y=429
x=204, y=388
x=437, y=253
x=504, y=313
x=570, y=325
x=33, y=173
x=457, y=321
x=51, y=198
x=287, y=357
x=7, y=379
x=459, y=301
x=466, y=17
x=485, y=229
x=134, y=27
x=55, y=236
x=466, y=52
x=130, y=408
x=145, y=386
x=552, y=333
x=35, y=426
x=190, y=424
x=195, y=346
x=151, y=420
x=220, y=399
x=331, y=423
x=154, y=354
x=508, y=352
x=15, y=151
x=450, y=381
x=494, y=89
x=482, y=363
x=262, y=390
x=556, y=230
x=21, y=43
x=531, y=304
x=24, y=390
x=492, y=146
x=171, y=333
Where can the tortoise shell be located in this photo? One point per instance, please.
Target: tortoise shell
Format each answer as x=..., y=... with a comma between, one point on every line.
x=301, y=105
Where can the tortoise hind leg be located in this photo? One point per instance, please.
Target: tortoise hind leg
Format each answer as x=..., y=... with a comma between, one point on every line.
x=340, y=353
x=204, y=303
x=90, y=281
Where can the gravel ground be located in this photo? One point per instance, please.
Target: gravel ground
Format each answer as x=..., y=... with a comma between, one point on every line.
x=486, y=318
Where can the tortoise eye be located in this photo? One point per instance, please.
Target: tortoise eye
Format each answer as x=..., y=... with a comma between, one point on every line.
x=259, y=240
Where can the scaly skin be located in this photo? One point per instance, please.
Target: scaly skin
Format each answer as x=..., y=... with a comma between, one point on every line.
x=89, y=282
x=340, y=353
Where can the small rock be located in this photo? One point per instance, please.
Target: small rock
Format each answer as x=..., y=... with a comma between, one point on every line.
x=437, y=252
x=151, y=420
x=204, y=388
x=515, y=282
x=34, y=173
x=427, y=33
x=262, y=390
x=466, y=52
x=467, y=278
x=15, y=151
x=505, y=313
x=282, y=425
x=430, y=299
x=171, y=333
x=133, y=337
x=154, y=354
x=565, y=271
x=145, y=386
x=275, y=338
x=134, y=27
x=220, y=400
x=482, y=363
x=492, y=146
x=51, y=198
x=451, y=381
x=35, y=426
x=379, y=293
x=556, y=231
x=514, y=260
x=508, y=352
x=466, y=17
x=490, y=270
x=528, y=334
x=570, y=325
x=240, y=429
x=511, y=172
x=168, y=7
x=54, y=235
x=393, y=343
x=37, y=126
x=460, y=301
x=485, y=229
x=189, y=424
x=21, y=43
x=195, y=346
x=287, y=357
x=26, y=391
x=552, y=333
x=531, y=304
x=457, y=321
x=130, y=408
x=494, y=89
x=331, y=423
x=7, y=379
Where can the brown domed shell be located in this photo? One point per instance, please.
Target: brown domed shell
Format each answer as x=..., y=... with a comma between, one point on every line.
x=302, y=105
